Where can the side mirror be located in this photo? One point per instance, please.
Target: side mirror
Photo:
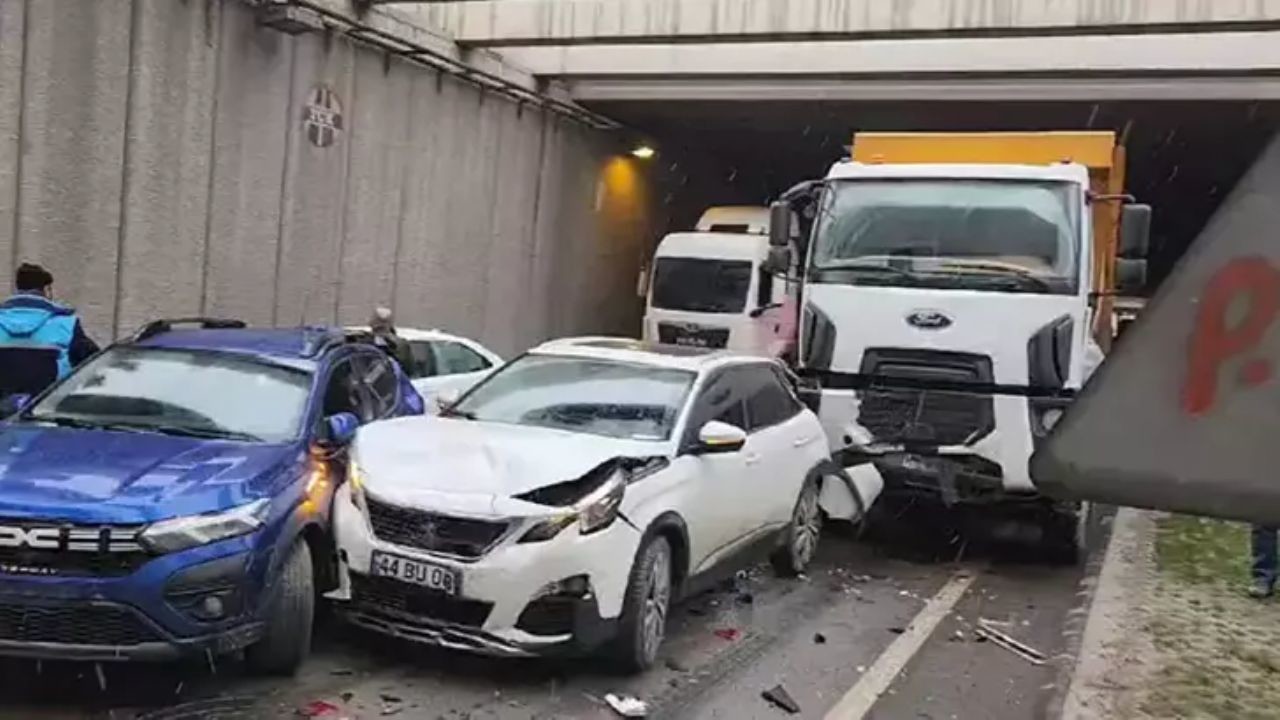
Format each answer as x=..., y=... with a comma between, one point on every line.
x=1135, y=231
x=717, y=438
x=14, y=404
x=778, y=261
x=340, y=430
x=763, y=309
x=780, y=224
x=447, y=398
x=1131, y=276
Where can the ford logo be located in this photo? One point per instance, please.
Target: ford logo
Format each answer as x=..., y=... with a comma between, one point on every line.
x=929, y=320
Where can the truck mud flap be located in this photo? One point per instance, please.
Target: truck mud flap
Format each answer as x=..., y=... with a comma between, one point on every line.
x=1183, y=414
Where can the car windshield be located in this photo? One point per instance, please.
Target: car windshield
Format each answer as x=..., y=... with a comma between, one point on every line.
x=180, y=392
x=600, y=397
x=1013, y=236
x=701, y=285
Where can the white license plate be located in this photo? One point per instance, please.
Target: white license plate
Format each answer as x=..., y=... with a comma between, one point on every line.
x=691, y=341
x=416, y=572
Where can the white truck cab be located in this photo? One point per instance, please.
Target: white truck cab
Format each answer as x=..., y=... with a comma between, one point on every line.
x=708, y=288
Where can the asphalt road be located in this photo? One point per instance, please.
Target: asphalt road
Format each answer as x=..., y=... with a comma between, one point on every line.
x=817, y=637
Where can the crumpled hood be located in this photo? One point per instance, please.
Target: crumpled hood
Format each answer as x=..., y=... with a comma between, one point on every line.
x=90, y=476
x=470, y=467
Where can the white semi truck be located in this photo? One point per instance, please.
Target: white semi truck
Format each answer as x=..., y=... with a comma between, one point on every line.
x=956, y=293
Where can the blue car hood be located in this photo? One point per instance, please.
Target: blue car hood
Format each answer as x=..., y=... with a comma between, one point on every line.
x=92, y=476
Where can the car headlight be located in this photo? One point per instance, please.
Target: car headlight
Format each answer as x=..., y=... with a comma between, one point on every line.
x=594, y=512
x=191, y=531
x=355, y=478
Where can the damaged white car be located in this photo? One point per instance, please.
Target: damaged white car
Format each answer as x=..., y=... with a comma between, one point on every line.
x=566, y=501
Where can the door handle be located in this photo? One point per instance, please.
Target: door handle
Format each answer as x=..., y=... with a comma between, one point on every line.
x=801, y=442
x=752, y=459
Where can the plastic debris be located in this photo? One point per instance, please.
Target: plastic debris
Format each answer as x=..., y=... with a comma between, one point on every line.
x=819, y=639
x=676, y=665
x=318, y=708
x=627, y=706
x=729, y=634
x=1026, y=652
x=897, y=630
x=779, y=697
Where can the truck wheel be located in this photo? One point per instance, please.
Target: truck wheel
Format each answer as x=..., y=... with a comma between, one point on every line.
x=289, y=616
x=644, y=609
x=800, y=539
x=1065, y=534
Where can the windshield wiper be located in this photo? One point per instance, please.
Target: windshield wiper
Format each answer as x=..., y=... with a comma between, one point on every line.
x=869, y=267
x=1024, y=275
x=79, y=423
x=212, y=433
x=454, y=412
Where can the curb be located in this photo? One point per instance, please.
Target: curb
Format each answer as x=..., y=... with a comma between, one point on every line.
x=1107, y=628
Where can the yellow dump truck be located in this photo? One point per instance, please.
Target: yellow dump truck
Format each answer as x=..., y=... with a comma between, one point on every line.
x=956, y=295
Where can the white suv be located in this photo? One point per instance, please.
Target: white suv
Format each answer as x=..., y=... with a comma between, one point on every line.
x=569, y=498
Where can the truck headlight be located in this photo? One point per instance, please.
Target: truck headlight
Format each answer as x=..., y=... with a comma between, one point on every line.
x=594, y=512
x=191, y=531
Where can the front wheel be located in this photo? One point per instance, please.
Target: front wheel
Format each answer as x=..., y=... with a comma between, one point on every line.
x=800, y=539
x=289, y=617
x=645, y=607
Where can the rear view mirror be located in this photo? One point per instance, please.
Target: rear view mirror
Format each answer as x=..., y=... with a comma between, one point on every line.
x=779, y=224
x=716, y=437
x=778, y=261
x=339, y=430
x=1135, y=231
x=447, y=398
x=14, y=404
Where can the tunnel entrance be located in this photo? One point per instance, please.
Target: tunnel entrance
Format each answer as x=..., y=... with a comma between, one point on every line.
x=1183, y=157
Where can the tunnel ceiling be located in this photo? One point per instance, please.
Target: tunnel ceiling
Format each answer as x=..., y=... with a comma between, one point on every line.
x=1184, y=157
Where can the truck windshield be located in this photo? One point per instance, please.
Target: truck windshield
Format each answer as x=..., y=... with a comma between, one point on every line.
x=701, y=284
x=1006, y=236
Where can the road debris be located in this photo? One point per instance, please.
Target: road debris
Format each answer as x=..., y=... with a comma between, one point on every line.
x=317, y=709
x=819, y=639
x=898, y=630
x=342, y=672
x=676, y=665
x=729, y=634
x=779, y=697
x=987, y=629
x=627, y=706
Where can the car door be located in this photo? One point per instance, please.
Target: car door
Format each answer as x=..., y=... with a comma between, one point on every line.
x=459, y=366
x=711, y=507
x=783, y=440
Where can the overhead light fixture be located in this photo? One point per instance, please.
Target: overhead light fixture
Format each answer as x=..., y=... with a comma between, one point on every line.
x=644, y=152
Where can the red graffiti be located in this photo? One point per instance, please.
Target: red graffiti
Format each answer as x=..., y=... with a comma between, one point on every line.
x=1250, y=286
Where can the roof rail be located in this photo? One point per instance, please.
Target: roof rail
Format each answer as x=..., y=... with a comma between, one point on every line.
x=158, y=327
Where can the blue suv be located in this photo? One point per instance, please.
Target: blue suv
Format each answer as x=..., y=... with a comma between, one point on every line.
x=173, y=494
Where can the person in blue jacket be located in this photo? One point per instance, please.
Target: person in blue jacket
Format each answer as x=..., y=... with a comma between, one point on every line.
x=40, y=340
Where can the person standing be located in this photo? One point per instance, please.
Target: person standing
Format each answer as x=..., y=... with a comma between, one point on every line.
x=41, y=340
x=385, y=337
x=1265, y=562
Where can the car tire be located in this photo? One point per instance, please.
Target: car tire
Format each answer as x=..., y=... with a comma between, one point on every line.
x=1065, y=532
x=645, y=607
x=286, y=641
x=800, y=539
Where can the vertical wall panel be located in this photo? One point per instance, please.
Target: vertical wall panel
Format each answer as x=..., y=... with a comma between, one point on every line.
x=314, y=190
x=251, y=125
x=379, y=143
x=167, y=160
x=423, y=199
x=73, y=126
x=11, y=45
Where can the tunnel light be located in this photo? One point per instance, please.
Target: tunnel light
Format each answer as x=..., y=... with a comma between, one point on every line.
x=644, y=152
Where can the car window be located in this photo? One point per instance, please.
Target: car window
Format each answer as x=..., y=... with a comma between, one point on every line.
x=196, y=392
x=424, y=361
x=344, y=393
x=379, y=378
x=722, y=399
x=453, y=358
x=769, y=402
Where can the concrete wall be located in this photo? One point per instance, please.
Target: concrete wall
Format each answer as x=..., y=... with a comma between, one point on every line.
x=498, y=22
x=153, y=155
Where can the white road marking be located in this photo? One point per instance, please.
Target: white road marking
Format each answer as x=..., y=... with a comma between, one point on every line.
x=876, y=680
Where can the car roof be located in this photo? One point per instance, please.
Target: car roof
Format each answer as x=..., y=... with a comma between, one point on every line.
x=631, y=350
x=416, y=334
x=295, y=346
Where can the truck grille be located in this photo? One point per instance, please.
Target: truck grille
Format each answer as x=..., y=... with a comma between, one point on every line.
x=461, y=537
x=374, y=594
x=911, y=397
x=692, y=335
x=73, y=625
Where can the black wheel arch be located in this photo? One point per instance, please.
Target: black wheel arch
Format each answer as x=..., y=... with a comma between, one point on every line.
x=672, y=527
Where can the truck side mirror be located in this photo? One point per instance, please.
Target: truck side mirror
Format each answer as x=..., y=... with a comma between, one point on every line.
x=1131, y=276
x=778, y=261
x=779, y=224
x=1135, y=231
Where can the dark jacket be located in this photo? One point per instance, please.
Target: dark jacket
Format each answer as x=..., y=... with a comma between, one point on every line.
x=396, y=347
x=40, y=342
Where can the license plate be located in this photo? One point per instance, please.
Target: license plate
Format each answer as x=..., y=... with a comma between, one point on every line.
x=416, y=572
x=691, y=341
